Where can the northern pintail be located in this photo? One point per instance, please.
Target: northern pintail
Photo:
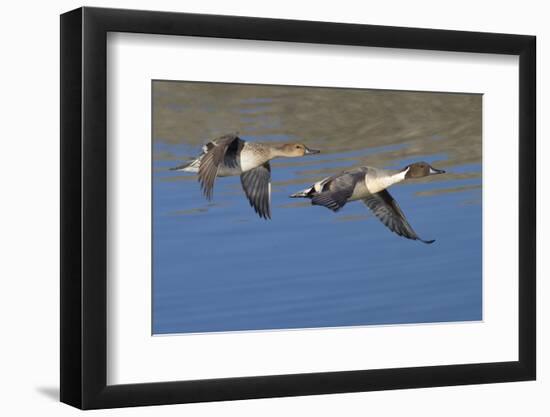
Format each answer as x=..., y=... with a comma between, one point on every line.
x=370, y=185
x=229, y=155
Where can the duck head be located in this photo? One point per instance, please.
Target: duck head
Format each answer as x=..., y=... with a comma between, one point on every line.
x=294, y=150
x=421, y=169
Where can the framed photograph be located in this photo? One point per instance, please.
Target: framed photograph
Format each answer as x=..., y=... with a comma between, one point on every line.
x=259, y=208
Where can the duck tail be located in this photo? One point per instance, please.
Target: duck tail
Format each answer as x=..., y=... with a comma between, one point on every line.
x=192, y=166
x=303, y=194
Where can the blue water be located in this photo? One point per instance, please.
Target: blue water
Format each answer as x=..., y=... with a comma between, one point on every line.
x=218, y=267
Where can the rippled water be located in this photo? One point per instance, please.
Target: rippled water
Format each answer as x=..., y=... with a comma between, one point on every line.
x=218, y=267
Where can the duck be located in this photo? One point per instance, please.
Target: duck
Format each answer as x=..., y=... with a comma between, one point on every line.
x=229, y=155
x=369, y=184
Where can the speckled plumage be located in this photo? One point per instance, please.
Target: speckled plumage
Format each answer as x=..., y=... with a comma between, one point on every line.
x=229, y=155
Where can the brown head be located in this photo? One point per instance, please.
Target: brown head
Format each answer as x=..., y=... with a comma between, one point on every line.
x=293, y=150
x=421, y=169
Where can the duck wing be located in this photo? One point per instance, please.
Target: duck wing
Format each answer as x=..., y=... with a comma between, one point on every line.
x=333, y=200
x=257, y=187
x=223, y=150
x=384, y=206
x=336, y=190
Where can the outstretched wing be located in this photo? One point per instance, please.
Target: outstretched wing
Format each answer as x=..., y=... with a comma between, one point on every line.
x=257, y=187
x=220, y=151
x=388, y=211
x=333, y=200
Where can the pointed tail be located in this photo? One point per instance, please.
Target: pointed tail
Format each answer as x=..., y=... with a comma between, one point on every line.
x=192, y=166
x=302, y=194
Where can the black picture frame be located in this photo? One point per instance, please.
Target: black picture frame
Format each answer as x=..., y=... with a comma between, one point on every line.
x=84, y=207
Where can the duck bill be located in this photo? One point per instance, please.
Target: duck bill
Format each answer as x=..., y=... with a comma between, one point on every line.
x=434, y=171
x=311, y=151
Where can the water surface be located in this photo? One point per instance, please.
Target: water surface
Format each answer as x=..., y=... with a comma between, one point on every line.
x=218, y=267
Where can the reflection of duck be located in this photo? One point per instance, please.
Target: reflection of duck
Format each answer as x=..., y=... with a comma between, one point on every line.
x=369, y=185
x=229, y=155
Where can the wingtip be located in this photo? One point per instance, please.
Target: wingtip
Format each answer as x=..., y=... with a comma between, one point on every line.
x=264, y=215
x=427, y=242
x=208, y=195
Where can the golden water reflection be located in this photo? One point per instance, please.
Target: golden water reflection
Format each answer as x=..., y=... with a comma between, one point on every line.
x=351, y=126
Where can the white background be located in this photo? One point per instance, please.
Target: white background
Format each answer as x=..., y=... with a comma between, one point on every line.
x=29, y=213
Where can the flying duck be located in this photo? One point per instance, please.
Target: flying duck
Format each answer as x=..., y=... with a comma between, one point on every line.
x=369, y=185
x=229, y=155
